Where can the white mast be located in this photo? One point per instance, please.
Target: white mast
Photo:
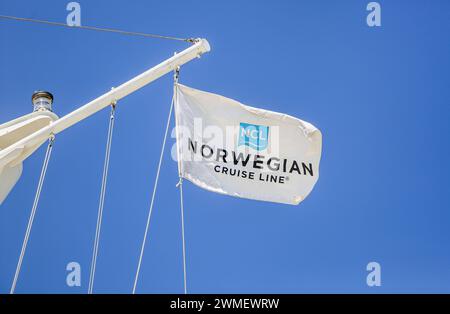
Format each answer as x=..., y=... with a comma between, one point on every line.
x=13, y=155
x=196, y=50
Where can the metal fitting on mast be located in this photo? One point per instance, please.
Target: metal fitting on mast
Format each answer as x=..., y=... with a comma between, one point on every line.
x=176, y=74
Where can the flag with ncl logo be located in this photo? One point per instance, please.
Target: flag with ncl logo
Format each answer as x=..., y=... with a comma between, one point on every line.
x=230, y=148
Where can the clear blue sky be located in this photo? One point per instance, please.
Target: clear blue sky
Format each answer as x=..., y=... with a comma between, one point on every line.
x=380, y=96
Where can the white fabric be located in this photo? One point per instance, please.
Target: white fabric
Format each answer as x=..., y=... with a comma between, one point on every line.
x=229, y=148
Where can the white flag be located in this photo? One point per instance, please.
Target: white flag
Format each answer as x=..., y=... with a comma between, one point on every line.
x=230, y=148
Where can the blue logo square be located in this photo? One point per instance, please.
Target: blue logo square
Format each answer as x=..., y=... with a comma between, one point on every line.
x=253, y=135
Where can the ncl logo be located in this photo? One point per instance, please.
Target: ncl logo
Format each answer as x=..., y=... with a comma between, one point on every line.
x=254, y=136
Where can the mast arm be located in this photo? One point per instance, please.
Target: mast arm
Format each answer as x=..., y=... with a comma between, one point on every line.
x=196, y=50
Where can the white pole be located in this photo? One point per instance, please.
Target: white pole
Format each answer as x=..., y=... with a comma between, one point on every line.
x=201, y=46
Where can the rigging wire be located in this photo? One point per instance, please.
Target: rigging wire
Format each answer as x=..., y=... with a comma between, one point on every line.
x=180, y=186
x=102, y=198
x=180, y=182
x=155, y=185
x=33, y=212
x=98, y=29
